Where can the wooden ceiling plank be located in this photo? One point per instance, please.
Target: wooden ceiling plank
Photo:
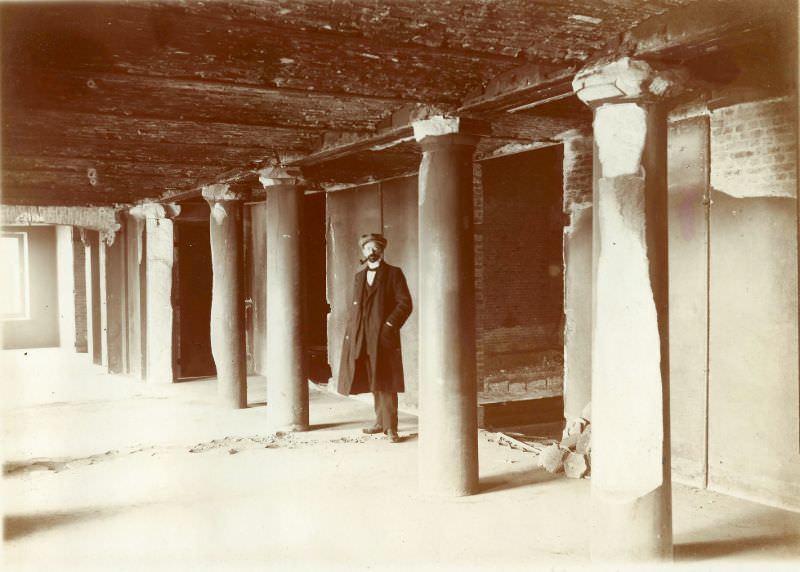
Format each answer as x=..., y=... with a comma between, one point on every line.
x=111, y=128
x=199, y=101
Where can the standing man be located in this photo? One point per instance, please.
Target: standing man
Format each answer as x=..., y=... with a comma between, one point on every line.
x=371, y=357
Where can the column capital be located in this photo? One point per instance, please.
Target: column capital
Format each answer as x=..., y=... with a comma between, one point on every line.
x=219, y=197
x=221, y=192
x=445, y=129
x=157, y=211
x=627, y=80
x=281, y=176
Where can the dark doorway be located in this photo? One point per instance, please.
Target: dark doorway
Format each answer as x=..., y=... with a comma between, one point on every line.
x=521, y=308
x=193, y=275
x=317, y=308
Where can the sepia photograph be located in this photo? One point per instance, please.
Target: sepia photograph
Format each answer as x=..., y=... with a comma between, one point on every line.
x=366, y=285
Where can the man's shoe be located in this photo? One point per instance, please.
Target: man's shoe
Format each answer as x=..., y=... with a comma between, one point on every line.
x=374, y=430
x=393, y=436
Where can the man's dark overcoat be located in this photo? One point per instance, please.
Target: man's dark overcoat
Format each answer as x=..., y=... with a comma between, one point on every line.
x=387, y=300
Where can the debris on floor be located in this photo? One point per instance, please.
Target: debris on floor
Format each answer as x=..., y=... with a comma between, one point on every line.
x=576, y=444
x=520, y=441
x=572, y=454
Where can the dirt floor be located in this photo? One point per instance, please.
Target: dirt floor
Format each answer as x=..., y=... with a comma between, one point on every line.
x=105, y=473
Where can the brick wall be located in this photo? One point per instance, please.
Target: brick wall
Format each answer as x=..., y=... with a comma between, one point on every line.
x=79, y=261
x=519, y=273
x=477, y=205
x=578, y=153
x=753, y=149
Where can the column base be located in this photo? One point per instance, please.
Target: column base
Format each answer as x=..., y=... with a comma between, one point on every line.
x=448, y=485
x=632, y=530
x=231, y=400
x=289, y=428
x=447, y=492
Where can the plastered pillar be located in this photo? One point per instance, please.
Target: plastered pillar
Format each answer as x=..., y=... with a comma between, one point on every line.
x=91, y=242
x=80, y=290
x=157, y=257
x=630, y=488
x=448, y=429
x=287, y=383
x=577, y=252
x=66, y=287
x=102, y=301
x=116, y=307
x=227, y=294
x=113, y=294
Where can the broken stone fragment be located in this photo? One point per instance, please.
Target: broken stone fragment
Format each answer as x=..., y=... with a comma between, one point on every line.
x=552, y=458
x=587, y=412
x=584, y=444
x=570, y=441
x=574, y=426
x=575, y=465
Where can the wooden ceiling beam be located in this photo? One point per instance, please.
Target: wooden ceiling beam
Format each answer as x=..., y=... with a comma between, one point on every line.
x=103, y=128
x=188, y=153
x=116, y=169
x=202, y=101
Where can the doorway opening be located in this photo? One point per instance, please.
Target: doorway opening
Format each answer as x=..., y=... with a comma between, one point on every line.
x=192, y=280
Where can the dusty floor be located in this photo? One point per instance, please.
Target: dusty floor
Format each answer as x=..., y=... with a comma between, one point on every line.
x=102, y=472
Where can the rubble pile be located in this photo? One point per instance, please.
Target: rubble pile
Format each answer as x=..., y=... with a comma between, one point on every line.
x=574, y=453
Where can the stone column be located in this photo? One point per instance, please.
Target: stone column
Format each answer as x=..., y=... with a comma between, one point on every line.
x=79, y=273
x=577, y=250
x=91, y=242
x=157, y=258
x=631, y=489
x=114, y=315
x=287, y=382
x=227, y=294
x=102, y=301
x=448, y=424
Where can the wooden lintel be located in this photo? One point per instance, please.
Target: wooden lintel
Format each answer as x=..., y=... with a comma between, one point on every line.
x=383, y=140
x=524, y=97
x=699, y=27
x=177, y=196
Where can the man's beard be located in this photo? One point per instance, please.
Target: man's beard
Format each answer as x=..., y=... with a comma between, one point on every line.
x=371, y=258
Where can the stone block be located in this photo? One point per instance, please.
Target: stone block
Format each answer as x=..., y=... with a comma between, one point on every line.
x=555, y=383
x=499, y=387
x=575, y=465
x=584, y=443
x=570, y=441
x=517, y=387
x=552, y=458
x=574, y=426
x=587, y=412
x=537, y=385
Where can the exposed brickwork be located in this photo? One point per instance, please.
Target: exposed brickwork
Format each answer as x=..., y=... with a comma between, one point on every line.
x=754, y=149
x=578, y=152
x=477, y=205
x=518, y=259
x=79, y=271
